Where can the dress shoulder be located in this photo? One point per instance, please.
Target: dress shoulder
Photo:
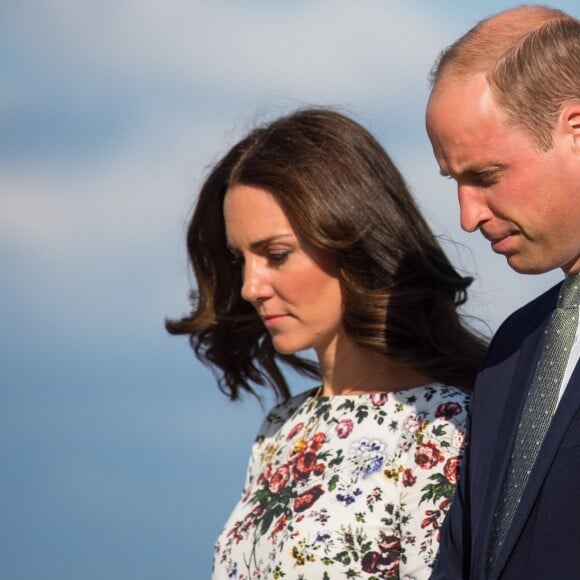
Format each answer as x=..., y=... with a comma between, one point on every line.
x=278, y=415
x=436, y=400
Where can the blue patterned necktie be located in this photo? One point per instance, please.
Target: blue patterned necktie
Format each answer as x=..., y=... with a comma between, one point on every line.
x=538, y=410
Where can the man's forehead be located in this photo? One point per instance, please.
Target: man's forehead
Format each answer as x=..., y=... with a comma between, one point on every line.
x=464, y=110
x=473, y=87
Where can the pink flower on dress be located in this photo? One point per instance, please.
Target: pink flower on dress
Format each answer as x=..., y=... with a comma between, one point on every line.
x=279, y=526
x=266, y=474
x=307, y=498
x=379, y=399
x=428, y=455
x=294, y=431
x=387, y=565
x=408, y=478
x=390, y=544
x=279, y=479
x=390, y=565
x=448, y=410
x=234, y=533
x=316, y=441
x=413, y=422
x=370, y=562
x=459, y=438
x=452, y=469
x=344, y=428
x=305, y=464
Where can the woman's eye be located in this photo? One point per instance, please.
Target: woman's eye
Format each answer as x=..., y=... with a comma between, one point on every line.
x=235, y=259
x=277, y=257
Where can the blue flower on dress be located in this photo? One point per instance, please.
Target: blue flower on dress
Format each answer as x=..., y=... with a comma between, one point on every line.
x=368, y=457
x=375, y=463
x=364, y=446
x=348, y=498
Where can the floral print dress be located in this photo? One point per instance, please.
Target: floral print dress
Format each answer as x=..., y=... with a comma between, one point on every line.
x=350, y=486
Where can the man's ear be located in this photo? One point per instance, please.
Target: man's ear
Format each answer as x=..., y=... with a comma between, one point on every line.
x=570, y=122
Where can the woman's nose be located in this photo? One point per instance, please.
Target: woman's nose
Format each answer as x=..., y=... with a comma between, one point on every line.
x=256, y=284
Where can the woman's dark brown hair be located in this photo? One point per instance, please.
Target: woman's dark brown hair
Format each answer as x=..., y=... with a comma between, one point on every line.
x=341, y=193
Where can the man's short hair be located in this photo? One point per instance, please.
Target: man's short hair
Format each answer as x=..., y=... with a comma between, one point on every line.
x=531, y=59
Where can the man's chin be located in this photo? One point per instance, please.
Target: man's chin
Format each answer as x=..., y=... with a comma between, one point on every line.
x=522, y=267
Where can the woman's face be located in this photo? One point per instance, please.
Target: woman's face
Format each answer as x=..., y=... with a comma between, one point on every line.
x=294, y=287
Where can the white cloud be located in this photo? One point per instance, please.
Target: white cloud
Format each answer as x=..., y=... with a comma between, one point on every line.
x=194, y=74
x=332, y=49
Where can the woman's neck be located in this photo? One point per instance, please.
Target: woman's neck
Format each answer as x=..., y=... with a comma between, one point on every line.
x=359, y=371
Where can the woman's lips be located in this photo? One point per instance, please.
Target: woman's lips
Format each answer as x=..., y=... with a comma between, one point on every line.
x=274, y=319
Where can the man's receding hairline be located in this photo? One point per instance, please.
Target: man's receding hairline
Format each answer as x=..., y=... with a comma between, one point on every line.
x=527, y=18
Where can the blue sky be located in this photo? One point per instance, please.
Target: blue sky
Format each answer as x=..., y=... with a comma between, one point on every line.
x=121, y=459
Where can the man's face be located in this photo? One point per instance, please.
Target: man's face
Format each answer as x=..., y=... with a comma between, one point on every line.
x=525, y=201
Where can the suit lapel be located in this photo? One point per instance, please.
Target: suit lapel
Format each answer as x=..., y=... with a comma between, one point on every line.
x=522, y=373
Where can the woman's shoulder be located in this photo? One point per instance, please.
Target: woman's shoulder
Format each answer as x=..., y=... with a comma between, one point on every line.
x=437, y=400
x=281, y=412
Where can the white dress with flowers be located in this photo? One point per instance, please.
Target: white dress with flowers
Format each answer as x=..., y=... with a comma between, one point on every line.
x=352, y=486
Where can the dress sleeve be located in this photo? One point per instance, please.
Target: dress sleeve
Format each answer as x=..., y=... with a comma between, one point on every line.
x=254, y=463
x=431, y=456
x=273, y=421
x=451, y=563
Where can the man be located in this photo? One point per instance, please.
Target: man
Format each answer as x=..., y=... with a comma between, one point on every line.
x=504, y=121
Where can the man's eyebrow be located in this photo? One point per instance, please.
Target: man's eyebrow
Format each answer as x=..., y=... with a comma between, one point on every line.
x=475, y=170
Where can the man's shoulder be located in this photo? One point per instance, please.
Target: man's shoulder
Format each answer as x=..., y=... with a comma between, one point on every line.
x=525, y=320
x=527, y=315
x=506, y=346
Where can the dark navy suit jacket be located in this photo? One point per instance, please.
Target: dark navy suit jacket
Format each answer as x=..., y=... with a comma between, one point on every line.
x=544, y=539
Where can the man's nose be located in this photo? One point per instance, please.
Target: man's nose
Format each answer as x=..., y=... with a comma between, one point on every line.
x=473, y=206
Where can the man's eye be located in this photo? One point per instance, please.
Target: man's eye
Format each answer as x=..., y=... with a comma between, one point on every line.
x=486, y=177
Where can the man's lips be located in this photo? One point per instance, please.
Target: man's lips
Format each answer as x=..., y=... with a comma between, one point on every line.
x=500, y=242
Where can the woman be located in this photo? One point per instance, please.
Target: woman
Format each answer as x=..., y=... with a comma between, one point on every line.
x=305, y=237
